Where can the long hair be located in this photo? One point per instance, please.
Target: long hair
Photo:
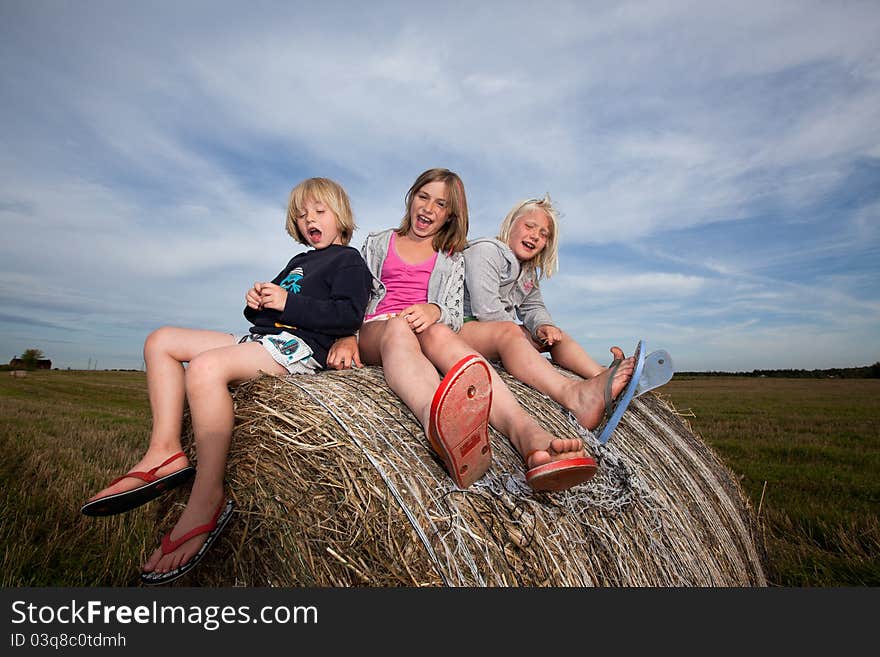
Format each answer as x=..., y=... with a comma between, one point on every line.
x=452, y=237
x=547, y=261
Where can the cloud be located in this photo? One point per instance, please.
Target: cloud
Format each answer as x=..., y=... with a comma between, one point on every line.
x=632, y=285
x=717, y=164
x=23, y=321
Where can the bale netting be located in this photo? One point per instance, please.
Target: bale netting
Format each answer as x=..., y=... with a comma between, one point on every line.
x=336, y=485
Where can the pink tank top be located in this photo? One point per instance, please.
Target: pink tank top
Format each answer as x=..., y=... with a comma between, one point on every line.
x=405, y=284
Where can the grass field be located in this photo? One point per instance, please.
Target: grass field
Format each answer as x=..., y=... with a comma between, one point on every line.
x=807, y=452
x=808, y=455
x=64, y=435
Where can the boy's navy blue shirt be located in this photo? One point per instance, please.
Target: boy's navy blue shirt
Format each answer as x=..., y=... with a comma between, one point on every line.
x=327, y=294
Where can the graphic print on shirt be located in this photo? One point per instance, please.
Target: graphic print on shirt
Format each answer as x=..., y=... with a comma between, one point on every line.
x=291, y=281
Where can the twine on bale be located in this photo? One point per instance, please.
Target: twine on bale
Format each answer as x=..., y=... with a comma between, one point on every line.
x=336, y=485
x=385, y=478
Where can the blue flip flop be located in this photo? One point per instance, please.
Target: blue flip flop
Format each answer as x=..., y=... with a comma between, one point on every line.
x=615, y=409
x=658, y=371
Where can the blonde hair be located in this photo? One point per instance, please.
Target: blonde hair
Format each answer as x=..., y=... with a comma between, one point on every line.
x=452, y=237
x=547, y=261
x=328, y=192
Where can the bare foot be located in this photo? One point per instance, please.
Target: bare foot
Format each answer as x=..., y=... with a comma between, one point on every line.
x=558, y=449
x=150, y=460
x=193, y=516
x=588, y=397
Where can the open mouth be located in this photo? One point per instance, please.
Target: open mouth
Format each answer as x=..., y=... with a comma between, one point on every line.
x=314, y=235
x=423, y=222
x=528, y=245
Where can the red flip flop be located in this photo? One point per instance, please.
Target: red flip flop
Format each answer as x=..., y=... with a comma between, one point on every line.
x=153, y=487
x=459, y=422
x=212, y=529
x=561, y=474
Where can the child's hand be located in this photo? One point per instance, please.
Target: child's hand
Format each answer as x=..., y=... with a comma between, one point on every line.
x=421, y=315
x=344, y=354
x=547, y=334
x=253, y=297
x=273, y=296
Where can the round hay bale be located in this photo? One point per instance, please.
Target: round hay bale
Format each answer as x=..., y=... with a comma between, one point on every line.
x=336, y=485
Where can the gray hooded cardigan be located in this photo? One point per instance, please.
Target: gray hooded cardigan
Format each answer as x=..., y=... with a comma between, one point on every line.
x=497, y=289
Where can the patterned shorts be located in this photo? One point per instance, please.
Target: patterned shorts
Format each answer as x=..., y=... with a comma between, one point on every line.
x=288, y=350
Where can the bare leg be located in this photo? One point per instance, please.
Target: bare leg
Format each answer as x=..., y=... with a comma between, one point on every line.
x=444, y=348
x=509, y=343
x=207, y=379
x=408, y=372
x=165, y=351
x=568, y=353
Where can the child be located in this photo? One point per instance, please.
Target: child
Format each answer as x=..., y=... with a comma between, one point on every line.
x=502, y=278
x=410, y=327
x=319, y=296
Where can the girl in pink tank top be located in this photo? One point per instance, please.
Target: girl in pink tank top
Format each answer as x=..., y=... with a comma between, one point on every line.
x=411, y=331
x=406, y=284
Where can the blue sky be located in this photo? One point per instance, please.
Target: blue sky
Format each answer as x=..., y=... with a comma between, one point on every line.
x=717, y=165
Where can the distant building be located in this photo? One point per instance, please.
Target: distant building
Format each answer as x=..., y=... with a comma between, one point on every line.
x=42, y=364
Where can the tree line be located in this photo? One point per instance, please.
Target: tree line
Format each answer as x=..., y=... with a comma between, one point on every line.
x=866, y=372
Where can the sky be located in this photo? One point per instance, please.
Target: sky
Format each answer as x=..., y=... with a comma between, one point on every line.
x=716, y=164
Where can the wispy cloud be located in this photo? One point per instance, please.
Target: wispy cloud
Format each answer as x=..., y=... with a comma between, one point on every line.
x=718, y=167
x=632, y=285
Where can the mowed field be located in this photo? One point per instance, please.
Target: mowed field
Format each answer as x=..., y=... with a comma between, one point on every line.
x=63, y=436
x=807, y=452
